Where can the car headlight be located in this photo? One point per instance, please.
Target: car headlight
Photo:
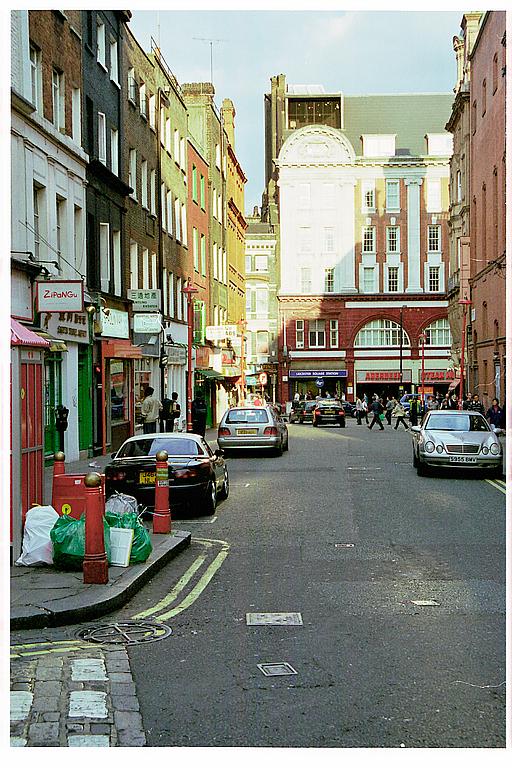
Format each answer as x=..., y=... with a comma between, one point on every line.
x=495, y=449
x=485, y=450
x=429, y=446
x=439, y=448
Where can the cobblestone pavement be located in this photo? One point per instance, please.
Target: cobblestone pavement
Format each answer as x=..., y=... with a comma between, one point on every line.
x=75, y=699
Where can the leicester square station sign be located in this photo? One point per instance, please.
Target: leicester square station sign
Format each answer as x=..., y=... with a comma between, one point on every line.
x=59, y=296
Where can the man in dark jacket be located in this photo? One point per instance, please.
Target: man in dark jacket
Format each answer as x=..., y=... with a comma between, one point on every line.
x=476, y=405
x=376, y=408
x=414, y=411
x=495, y=415
x=199, y=415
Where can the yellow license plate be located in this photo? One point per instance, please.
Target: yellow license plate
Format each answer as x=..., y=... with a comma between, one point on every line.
x=147, y=478
x=247, y=431
x=329, y=410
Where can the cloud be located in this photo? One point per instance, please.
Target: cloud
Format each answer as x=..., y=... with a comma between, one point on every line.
x=332, y=28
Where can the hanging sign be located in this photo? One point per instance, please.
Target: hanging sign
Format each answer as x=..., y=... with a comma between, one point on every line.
x=218, y=332
x=59, y=295
x=144, y=300
x=147, y=323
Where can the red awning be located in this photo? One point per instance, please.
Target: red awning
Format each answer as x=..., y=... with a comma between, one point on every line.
x=21, y=335
x=454, y=384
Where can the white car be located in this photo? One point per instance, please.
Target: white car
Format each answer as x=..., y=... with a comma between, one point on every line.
x=251, y=427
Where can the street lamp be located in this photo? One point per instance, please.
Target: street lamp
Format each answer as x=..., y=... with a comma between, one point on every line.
x=465, y=303
x=422, y=339
x=401, y=347
x=188, y=290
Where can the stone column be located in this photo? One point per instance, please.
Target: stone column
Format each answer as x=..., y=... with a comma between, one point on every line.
x=413, y=235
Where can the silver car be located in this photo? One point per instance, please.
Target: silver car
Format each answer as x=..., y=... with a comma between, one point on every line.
x=461, y=439
x=253, y=427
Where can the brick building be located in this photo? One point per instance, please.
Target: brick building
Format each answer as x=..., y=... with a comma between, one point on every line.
x=361, y=184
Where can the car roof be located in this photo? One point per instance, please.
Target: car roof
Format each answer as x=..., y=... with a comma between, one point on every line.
x=166, y=436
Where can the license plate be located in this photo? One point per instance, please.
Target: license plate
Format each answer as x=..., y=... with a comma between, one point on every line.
x=147, y=478
x=329, y=410
x=463, y=459
x=247, y=431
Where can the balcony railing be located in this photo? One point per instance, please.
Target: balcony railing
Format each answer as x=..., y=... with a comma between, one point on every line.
x=454, y=281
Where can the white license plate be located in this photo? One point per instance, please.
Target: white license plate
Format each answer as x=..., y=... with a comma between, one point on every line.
x=247, y=431
x=463, y=459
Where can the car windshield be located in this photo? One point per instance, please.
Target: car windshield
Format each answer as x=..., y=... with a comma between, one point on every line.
x=147, y=446
x=310, y=405
x=457, y=422
x=247, y=416
x=329, y=403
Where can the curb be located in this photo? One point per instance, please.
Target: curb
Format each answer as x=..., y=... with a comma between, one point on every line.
x=100, y=598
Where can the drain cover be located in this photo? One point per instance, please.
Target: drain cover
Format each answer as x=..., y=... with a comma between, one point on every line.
x=277, y=668
x=279, y=619
x=125, y=633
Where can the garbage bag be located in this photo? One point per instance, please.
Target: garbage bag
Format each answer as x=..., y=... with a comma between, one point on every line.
x=121, y=503
x=141, y=546
x=37, y=546
x=68, y=537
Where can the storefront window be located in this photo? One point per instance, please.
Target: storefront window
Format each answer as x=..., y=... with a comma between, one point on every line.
x=119, y=405
x=142, y=380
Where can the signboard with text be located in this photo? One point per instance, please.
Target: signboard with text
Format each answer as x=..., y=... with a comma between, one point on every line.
x=68, y=326
x=219, y=332
x=144, y=299
x=389, y=377
x=59, y=296
x=147, y=323
x=317, y=374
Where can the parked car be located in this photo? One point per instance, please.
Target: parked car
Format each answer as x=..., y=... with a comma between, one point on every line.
x=461, y=439
x=328, y=412
x=297, y=407
x=349, y=408
x=306, y=412
x=198, y=476
x=259, y=427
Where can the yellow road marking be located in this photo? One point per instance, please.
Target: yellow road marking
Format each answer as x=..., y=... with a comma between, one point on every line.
x=61, y=649
x=499, y=485
x=175, y=591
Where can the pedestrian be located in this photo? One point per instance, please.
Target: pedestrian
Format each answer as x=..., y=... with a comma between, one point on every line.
x=150, y=411
x=495, y=415
x=199, y=414
x=390, y=404
x=453, y=402
x=165, y=415
x=466, y=402
x=431, y=404
x=377, y=410
x=296, y=397
x=476, y=405
x=445, y=405
x=414, y=411
x=360, y=411
x=175, y=411
x=399, y=413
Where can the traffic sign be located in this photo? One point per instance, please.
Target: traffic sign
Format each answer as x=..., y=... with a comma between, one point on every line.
x=319, y=382
x=262, y=378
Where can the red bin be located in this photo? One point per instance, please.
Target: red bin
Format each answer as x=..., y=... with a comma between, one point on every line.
x=68, y=494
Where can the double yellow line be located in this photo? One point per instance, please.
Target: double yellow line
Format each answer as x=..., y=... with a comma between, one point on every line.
x=500, y=485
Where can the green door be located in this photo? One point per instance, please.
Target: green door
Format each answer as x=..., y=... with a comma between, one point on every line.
x=52, y=398
x=85, y=398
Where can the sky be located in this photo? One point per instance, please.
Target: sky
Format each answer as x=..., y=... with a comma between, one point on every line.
x=352, y=52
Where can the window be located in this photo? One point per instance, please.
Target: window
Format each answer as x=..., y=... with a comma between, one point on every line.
x=217, y=156
x=169, y=212
x=329, y=280
x=114, y=65
x=152, y=192
x=368, y=201
x=176, y=145
x=495, y=73
x=473, y=117
x=310, y=111
x=248, y=262
x=458, y=183
x=58, y=100
x=215, y=263
x=381, y=333
x=438, y=334
x=203, y=255
x=116, y=248
x=171, y=294
x=177, y=211
x=60, y=210
x=261, y=302
x=152, y=111
x=134, y=265
x=392, y=279
x=299, y=334
x=36, y=78
x=76, y=116
x=392, y=239
x=368, y=239
x=184, y=231
x=144, y=183
x=179, y=296
x=379, y=145
x=219, y=207
x=145, y=268
x=102, y=138
x=153, y=269
x=333, y=334
x=305, y=240
x=484, y=96
x=168, y=135
x=183, y=164
x=261, y=262
x=114, y=151
x=163, y=207
x=368, y=280
x=433, y=279
x=142, y=100
x=434, y=238
x=316, y=333
x=305, y=280
x=392, y=195
x=225, y=267
x=434, y=204
x=78, y=250
x=329, y=239
x=194, y=184
x=195, y=252
x=162, y=127
x=132, y=86
x=132, y=173
x=105, y=256
x=37, y=199
x=100, y=43
x=202, y=193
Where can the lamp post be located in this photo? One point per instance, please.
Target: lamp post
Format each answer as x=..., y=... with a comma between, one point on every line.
x=465, y=303
x=401, y=348
x=188, y=290
x=422, y=339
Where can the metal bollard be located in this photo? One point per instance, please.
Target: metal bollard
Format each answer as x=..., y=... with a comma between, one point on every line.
x=58, y=463
x=162, y=512
x=95, y=567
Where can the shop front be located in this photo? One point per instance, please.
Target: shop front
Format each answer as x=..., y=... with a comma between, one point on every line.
x=317, y=381
x=384, y=383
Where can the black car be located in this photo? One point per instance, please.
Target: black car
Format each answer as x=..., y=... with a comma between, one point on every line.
x=328, y=412
x=198, y=476
x=297, y=407
x=349, y=408
x=306, y=412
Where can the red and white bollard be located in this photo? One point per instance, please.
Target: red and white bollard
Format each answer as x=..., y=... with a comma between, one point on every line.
x=95, y=567
x=162, y=512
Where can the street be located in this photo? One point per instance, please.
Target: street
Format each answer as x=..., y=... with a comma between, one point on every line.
x=341, y=535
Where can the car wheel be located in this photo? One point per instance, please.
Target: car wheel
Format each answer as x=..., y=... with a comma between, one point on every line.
x=301, y=421
x=496, y=473
x=342, y=423
x=285, y=446
x=210, y=499
x=224, y=491
x=279, y=449
x=421, y=469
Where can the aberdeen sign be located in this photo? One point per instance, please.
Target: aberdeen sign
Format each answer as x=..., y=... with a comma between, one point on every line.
x=59, y=296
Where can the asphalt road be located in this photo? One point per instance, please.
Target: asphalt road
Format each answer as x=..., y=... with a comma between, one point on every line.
x=373, y=669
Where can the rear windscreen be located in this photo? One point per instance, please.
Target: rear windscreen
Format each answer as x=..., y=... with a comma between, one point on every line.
x=247, y=416
x=150, y=447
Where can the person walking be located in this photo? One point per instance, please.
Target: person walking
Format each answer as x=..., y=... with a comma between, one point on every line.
x=399, y=413
x=199, y=414
x=495, y=415
x=414, y=411
x=175, y=411
x=445, y=405
x=150, y=410
x=165, y=415
x=476, y=405
x=453, y=402
x=360, y=411
x=390, y=404
x=466, y=402
x=377, y=409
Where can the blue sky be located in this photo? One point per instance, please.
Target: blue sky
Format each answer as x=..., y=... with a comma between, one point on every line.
x=353, y=52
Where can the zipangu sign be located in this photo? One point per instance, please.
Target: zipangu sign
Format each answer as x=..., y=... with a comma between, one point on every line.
x=59, y=296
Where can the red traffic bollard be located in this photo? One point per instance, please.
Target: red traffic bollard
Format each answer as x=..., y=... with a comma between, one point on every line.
x=162, y=512
x=95, y=567
x=58, y=463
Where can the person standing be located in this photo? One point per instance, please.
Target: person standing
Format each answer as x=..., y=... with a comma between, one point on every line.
x=414, y=411
x=377, y=409
x=495, y=414
x=466, y=402
x=175, y=411
x=199, y=414
x=399, y=413
x=165, y=415
x=360, y=411
x=150, y=410
x=390, y=404
x=476, y=405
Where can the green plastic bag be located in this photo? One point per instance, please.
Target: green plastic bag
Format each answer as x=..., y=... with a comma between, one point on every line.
x=68, y=539
x=141, y=546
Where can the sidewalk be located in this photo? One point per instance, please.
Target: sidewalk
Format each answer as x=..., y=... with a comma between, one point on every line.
x=42, y=596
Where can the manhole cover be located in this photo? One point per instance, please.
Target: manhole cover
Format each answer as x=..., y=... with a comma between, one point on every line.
x=276, y=619
x=277, y=668
x=125, y=633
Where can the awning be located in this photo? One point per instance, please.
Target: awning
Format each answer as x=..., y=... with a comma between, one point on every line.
x=23, y=336
x=209, y=373
x=454, y=384
x=56, y=345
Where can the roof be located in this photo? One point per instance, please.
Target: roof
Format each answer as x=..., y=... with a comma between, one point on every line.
x=23, y=336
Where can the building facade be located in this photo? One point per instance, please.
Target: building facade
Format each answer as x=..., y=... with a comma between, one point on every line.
x=361, y=184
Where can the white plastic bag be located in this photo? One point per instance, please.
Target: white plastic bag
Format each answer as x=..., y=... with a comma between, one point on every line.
x=121, y=504
x=37, y=545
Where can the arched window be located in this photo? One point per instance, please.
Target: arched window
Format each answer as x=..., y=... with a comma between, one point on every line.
x=438, y=334
x=381, y=333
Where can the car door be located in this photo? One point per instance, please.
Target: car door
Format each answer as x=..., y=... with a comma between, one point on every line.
x=216, y=464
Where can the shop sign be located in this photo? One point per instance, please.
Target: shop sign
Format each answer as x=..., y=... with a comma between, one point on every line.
x=219, y=332
x=262, y=378
x=285, y=378
x=439, y=375
x=391, y=377
x=59, y=295
x=317, y=374
x=227, y=357
x=69, y=326
x=114, y=323
x=230, y=371
x=144, y=300
x=269, y=367
x=147, y=323
x=176, y=355
x=203, y=357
